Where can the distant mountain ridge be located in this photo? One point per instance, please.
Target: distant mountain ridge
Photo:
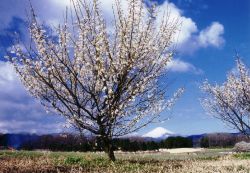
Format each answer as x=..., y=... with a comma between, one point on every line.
x=16, y=140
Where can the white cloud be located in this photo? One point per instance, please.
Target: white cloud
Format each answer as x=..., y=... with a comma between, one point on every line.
x=212, y=35
x=30, y=126
x=7, y=73
x=190, y=38
x=19, y=112
x=62, y=3
x=178, y=65
x=187, y=27
x=52, y=11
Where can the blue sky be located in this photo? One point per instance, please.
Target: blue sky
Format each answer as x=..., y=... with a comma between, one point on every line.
x=212, y=32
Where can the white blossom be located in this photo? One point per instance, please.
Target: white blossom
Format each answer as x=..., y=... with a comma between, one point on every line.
x=230, y=101
x=106, y=83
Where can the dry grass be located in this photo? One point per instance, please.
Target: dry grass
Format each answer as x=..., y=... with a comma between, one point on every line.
x=59, y=162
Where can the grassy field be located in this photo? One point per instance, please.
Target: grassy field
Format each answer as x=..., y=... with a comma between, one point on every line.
x=208, y=161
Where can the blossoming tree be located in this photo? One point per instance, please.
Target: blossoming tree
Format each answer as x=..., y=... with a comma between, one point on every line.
x=104, y=82
x=230, y=102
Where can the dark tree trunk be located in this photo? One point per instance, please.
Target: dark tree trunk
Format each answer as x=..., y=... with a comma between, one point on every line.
x=106, y=143
x=110, y=152
x=109, y=149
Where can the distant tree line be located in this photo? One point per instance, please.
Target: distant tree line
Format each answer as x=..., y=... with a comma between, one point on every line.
x=221, y=140
x=176, y=142
x=135, y=145
x=71, y=142
x=59, y=143
x=76, y=143
x=3, y=140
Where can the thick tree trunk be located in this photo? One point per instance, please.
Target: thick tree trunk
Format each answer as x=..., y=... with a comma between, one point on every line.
x=109, y=149
x=111, y=154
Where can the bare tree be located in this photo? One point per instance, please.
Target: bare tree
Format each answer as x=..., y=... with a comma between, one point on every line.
x=105, y=83
x=230, y=102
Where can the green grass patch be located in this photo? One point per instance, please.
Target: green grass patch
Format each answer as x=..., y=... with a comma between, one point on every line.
x=126, y=162
x=20, y=154
x=73, y=158
x=86, y=162
x=208, y=154
x=244, y=156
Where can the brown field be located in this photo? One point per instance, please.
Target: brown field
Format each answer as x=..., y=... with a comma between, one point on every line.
x=205, y=161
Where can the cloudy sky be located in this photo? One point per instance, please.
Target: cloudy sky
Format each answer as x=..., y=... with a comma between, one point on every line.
x=211, y=33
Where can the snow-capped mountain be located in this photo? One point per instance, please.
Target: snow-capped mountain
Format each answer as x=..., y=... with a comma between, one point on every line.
x=159, y=133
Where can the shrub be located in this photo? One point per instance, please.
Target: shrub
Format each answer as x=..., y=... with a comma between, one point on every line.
x=242, y=147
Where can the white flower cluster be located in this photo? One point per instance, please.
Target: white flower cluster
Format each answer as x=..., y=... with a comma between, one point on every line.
x=230, y=101
x=102, y=82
